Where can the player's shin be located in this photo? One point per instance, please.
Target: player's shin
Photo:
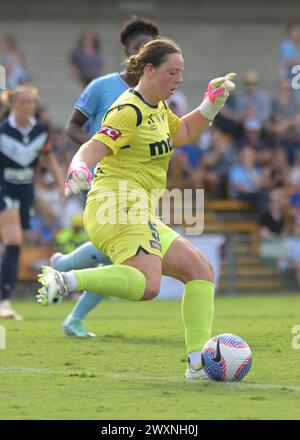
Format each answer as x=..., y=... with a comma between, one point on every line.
x=197, y=314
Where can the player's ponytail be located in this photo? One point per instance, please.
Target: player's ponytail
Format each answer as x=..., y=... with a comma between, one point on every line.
x=134, y=66
x=154, y=52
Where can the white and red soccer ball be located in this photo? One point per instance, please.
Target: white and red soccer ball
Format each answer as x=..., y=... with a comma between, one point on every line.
x=226, y=358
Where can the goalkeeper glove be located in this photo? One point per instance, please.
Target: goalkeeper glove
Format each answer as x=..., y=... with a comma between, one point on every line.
x=79, y=178
x=216, y=95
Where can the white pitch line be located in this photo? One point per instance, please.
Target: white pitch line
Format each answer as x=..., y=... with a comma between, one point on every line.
x=131, y=376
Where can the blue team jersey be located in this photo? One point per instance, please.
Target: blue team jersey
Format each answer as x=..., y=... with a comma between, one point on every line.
x=97, y=98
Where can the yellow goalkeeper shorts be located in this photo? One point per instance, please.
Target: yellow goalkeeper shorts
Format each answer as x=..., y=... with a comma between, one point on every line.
x=122, y=241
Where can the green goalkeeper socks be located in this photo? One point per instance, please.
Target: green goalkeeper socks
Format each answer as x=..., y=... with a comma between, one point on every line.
x=117, y=280
x=197, y=313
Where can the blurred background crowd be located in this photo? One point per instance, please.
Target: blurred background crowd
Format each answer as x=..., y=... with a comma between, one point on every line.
x=250, y=154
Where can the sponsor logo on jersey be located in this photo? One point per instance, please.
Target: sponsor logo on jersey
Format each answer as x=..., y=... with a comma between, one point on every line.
x=161, y=147
x=113, y=133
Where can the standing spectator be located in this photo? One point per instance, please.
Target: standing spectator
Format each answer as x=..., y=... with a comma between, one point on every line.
x=289, y=56
x=85, y=60
x=14, y=62
x=289, y=53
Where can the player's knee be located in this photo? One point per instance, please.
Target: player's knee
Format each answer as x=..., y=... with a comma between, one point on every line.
x=152, y=289
x=200, y=269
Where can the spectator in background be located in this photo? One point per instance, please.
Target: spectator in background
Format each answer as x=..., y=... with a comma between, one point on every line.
x=216, y=163
x=289, y=56
x=253, y=137
x=86, y=60
x=248, y=182
x=251, y=98
x=14, y=63
x=289, y=52
x=63, y=149
x=290, y=143
x=285, y=110
x=272, y=222
x=280, y=171
x=185, y=169
x=248, y=103
x=43, y=115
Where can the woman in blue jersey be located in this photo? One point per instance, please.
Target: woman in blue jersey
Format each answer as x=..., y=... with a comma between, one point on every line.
x=134, y=146
x=84, y=122
x=23, y=141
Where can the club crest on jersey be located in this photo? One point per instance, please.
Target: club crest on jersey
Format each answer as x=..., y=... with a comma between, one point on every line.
x=113, y=133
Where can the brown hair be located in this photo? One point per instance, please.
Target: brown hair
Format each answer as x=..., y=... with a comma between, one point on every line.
x=7, y=96
x=154, y=52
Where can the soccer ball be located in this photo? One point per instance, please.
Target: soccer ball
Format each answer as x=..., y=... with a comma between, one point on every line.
x=226, y=358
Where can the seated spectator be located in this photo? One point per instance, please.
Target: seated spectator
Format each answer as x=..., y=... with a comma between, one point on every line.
x=86, y=60
x=272, y=222
x=250, y=102
x=14, y=63
x=290, y=143
x=280, y=171
x=185, y=169
x=285, y=111
x=253, y=137
x=216, y=163
x=249, y=182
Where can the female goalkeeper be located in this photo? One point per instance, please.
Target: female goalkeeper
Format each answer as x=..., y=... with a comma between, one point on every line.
x=133, y=148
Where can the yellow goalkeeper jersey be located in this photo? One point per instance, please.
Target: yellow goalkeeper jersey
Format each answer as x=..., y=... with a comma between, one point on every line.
x=140, y=137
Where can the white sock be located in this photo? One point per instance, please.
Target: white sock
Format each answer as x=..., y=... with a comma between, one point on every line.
x=195, y=357
x=71, y=281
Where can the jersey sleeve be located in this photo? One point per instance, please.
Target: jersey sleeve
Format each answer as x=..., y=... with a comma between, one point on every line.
x=88, y=101
x=173, y=121
x=117, y=128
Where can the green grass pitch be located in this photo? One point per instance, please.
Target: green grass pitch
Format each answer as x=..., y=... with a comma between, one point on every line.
x=134, y=368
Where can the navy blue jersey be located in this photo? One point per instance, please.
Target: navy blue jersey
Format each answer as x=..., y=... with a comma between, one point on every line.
x=19, y=152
